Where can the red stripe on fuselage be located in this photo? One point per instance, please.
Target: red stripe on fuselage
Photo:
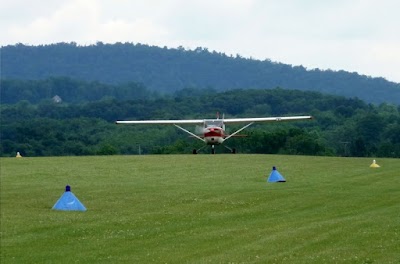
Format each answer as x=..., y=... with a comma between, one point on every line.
x=214, y=132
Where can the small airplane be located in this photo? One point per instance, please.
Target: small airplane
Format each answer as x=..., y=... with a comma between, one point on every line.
x=212, y=131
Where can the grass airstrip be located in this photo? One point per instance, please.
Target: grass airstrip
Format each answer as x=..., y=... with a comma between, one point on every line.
x=201, y=209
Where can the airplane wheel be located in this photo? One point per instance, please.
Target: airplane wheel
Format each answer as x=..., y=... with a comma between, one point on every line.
x=234, y=151
x=212, y=151
x=195, y=151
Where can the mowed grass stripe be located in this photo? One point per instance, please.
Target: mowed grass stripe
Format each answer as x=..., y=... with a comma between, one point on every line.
x=201, y=208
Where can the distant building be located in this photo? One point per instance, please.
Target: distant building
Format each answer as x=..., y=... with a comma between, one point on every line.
x=57, y=99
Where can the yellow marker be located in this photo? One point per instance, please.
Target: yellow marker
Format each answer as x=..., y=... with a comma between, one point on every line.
x=374, y=165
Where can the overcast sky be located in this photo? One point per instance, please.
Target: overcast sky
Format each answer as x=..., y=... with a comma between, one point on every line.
x=354, y=35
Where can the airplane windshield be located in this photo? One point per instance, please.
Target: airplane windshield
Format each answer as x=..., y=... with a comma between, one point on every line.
x=213, y=123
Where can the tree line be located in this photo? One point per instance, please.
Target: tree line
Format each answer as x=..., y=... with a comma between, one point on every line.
x=342, y=126
x=69, y=90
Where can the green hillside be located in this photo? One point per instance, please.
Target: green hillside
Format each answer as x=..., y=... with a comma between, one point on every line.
x=167, y=70
x=201, y=209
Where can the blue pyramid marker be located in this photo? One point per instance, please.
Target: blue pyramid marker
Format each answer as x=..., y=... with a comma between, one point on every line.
x=69, y=202
x=275, y=176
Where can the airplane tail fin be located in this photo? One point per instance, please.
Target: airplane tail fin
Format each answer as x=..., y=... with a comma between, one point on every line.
x=223, y=115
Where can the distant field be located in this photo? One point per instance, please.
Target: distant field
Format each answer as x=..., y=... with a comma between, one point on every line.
x=201, y=209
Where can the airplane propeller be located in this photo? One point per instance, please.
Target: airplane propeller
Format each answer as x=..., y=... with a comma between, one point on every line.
x=199, y=130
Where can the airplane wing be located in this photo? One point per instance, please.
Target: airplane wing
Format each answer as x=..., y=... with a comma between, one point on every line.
x=266, y=119
x=225, y=120
x=162, y=122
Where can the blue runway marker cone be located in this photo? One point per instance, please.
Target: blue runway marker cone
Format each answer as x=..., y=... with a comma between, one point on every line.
x=69, y=202
x=275, y=176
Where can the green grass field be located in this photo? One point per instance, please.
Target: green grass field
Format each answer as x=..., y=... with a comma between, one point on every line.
x=201, y=209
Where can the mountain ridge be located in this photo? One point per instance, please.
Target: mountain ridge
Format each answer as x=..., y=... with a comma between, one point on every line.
x=168, y=70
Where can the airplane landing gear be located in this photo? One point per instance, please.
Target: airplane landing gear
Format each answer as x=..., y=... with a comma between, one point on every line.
x=195, y=151
x=212, y=149
x=232, y=150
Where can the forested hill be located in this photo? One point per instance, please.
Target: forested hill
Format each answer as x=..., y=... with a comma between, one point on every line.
x=167, y=70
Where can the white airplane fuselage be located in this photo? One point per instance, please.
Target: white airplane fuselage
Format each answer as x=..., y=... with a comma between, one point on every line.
x=213, y=135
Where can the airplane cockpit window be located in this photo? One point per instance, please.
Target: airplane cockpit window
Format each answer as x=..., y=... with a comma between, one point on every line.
x=215, y=123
